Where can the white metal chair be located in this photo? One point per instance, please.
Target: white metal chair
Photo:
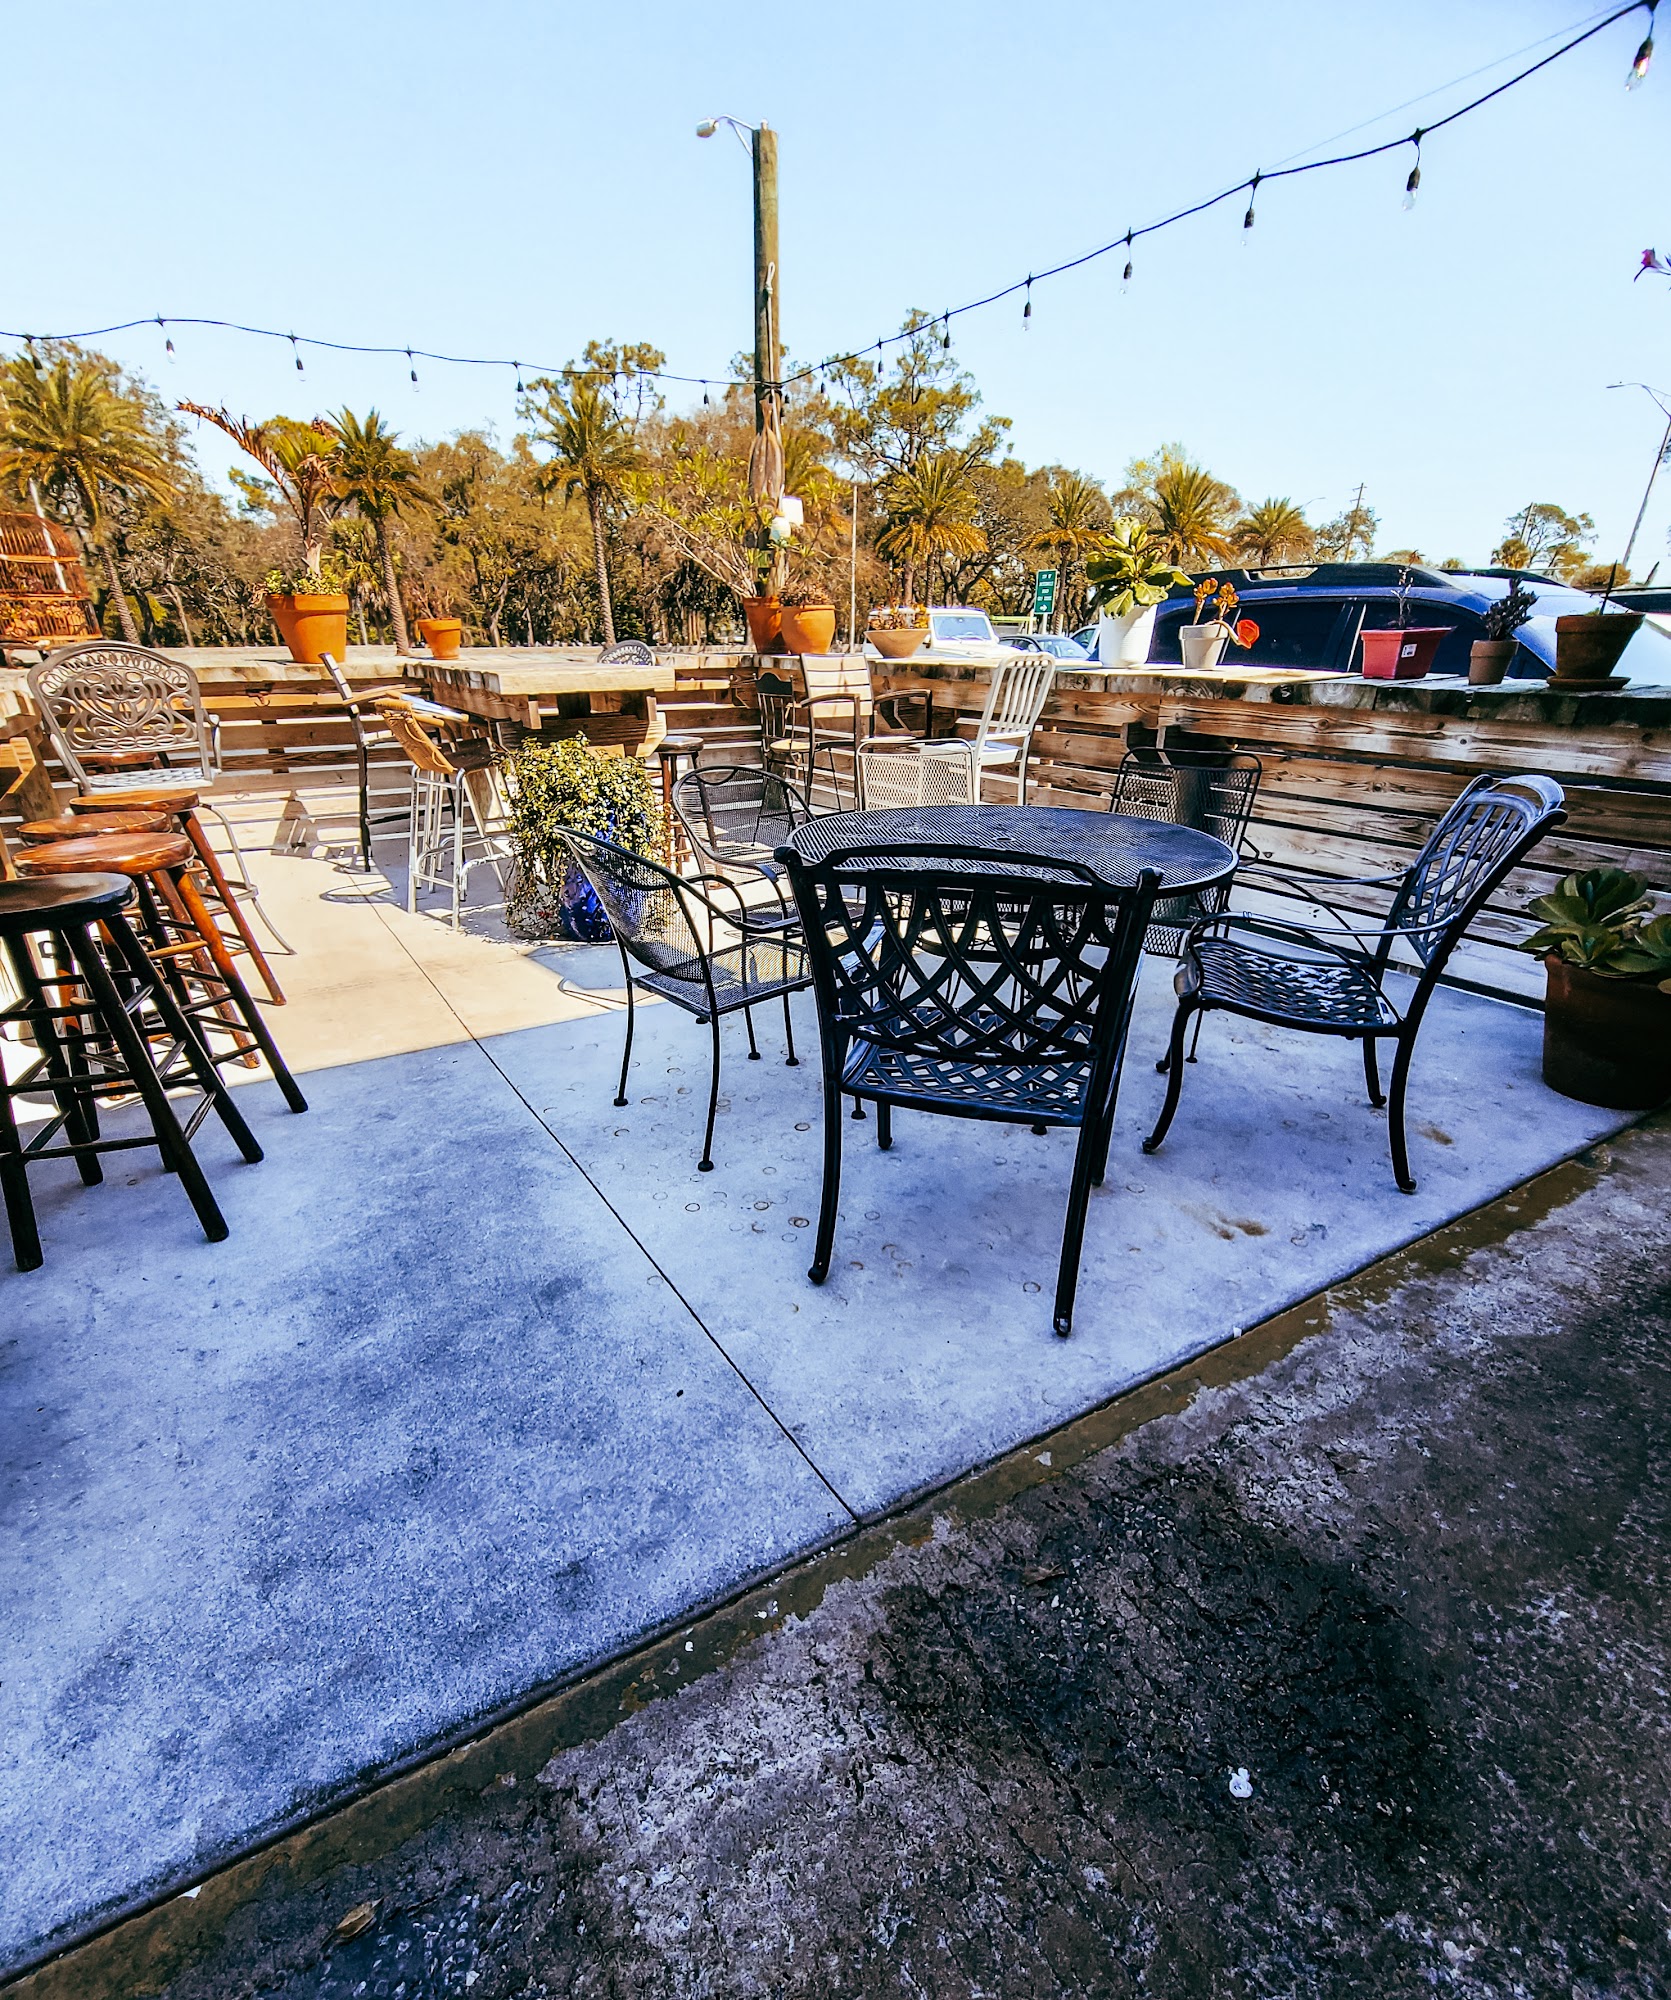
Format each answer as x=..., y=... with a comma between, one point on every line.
x=120, y=716
x=893, y=773
x=449, y=835
x=1003, y=741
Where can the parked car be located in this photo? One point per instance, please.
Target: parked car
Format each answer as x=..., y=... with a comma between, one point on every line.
x=1310, y=616
x=960, y=631
x=1058, y=644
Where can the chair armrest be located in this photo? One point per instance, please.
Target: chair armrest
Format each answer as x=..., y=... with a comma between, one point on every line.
x=886, y=707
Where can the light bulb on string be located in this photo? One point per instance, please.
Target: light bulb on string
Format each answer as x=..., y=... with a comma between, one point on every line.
x=517, y=365
x=294, y=349
x=1645, y=54
x=1252, y=197
x=1027, y=309
x=411, y=368
x=704, y=395
x=1125, y=275
x=946, y=334
x=1415, y=179
x=168, y=340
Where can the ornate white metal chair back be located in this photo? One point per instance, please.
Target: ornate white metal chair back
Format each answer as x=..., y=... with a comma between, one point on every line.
x=103, y=701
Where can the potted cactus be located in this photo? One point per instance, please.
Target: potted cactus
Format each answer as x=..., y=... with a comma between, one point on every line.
x=1488, y=658
x=1607, y=1015
x=1129, y=576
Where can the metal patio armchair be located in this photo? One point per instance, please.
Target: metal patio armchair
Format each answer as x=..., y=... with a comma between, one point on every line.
x=948, y=984
x=816, y=708
x=1210, y=790
x=1330, y=979
x=736, y=817
x=120, y=716
x=676, y=940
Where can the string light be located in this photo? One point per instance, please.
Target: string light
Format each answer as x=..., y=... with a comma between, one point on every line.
x=168, y=344
x=1415, y=180
x=411, y=368
x=517, y=365
x=1645, y=54
x=1252, y=197
x=298, y=354
x=1027, y=309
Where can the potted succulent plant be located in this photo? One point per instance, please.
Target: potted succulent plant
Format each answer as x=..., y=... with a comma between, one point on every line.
x=1129, y=577
x=1404, y=652
x=1202, y=644
x=568, y=783
x=1607, y=1014
x=1488, y=658
x=310, y=608
x=897, y=631
x=807, y=623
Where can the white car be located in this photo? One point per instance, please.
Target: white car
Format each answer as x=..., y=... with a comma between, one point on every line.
x=960, y=632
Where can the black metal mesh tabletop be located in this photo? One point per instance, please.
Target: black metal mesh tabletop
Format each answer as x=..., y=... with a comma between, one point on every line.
x=1113, y=846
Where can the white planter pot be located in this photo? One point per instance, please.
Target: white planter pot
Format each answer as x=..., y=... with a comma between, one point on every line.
x=1203, y=646
x=1124, y=641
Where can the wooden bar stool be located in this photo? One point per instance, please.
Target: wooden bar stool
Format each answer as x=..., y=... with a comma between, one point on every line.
x=674, y=745
x=180, y=804
x=182, y=938
x=92, y=1045
x=78, y=826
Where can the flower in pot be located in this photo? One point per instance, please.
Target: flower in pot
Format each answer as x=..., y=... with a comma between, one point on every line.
x=1405, y=651
x=569, y=784
x=807, y=623
x=1202, y=644
x=1488, y=658
x=897, y=631
x=309, y=605
x=1129, y=575
x=1607, y=1013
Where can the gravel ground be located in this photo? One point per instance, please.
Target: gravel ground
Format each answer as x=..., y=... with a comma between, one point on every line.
x=1409, y=1580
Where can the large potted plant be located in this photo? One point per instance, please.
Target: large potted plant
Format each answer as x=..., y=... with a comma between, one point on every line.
x=897, y=631
x=1588, y=645
x=569, y=784
x=1607, y=1013
x=1405, y=651
x=1488, y=658
x=1129, y=576
x=807, y=623
x=309, y=605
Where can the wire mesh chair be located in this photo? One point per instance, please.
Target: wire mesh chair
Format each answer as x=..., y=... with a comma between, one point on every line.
x=677, y=941
x=946, y=984
x=893, y=773
x=1210, y=790
x=119, y=716
x=1330, y=979
x=814, y=712
x=736, y=817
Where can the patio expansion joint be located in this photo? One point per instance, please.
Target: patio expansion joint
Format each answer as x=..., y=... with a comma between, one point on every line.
x=637, y=1241
x=140, y=1951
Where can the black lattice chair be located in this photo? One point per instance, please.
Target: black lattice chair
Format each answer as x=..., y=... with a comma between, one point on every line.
x=1327, y=979
x=947, y=985
x=678, y=941
x=1210, y=790
x=736, y=817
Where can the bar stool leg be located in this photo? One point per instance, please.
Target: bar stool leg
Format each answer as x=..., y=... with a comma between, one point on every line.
x=14, y=1184
x=223, y=889
x=81, y=1122
x=237, y=991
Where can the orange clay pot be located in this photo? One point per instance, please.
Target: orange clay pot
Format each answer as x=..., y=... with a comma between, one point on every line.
x=312, y=626
x=809, y=628
x=442, y=636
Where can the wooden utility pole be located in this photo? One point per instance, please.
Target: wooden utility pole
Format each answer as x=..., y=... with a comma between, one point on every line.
x=768, y=320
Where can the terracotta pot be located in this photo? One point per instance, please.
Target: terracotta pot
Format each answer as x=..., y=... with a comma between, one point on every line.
x=1401, y=655
x=1588, y=644
x=897, y=644
x=765, y=623
x=808, y=628
x=1606, y=1041
x=442, y=636
x=312, y=626
x=1488, y=660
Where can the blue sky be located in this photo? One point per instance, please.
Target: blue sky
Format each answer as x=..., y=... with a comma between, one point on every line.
x=519, y=178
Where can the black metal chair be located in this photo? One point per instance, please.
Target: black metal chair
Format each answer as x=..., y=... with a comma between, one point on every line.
x=814, y=712
x=627, y=653
x=950, y=985
x=736, y=817
x=1325, y=979
x=1210, y=790
x=675, y=940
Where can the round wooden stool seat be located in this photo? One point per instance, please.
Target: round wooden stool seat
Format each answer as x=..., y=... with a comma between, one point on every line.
x=679, y=743
x=78, y=826
x=82, y=898
x=138, y=798
x=119, y=853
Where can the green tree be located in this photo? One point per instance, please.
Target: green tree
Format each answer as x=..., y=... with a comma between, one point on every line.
x=1545, y=537
x=299, y=459
x=887, y=417
x=594, y=453
x=380, y=481
x=67, y=430
x=1189, y=512
x=1078, y=519
x=930, y=511
x=1274, y=532
x=1350, y=536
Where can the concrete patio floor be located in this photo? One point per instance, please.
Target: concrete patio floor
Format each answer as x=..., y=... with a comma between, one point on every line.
x=489, y=1382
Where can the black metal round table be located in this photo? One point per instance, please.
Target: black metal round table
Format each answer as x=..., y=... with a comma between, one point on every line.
x=1114, y=846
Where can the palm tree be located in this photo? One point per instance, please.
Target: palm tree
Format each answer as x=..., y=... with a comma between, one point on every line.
x=68, y=432
x=930, y=511
x=300, y=461
x=1188, y=511
x=1276, y=531
x=1079, y=517
x=380, y=480
x=593, y=451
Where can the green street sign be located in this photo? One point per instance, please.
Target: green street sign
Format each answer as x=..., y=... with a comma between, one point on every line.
x=1044, y=593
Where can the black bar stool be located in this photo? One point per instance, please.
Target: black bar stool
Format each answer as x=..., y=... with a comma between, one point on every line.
x=91, y=1020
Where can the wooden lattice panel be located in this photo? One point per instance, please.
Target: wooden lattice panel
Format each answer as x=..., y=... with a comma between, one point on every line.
x=43, y=587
